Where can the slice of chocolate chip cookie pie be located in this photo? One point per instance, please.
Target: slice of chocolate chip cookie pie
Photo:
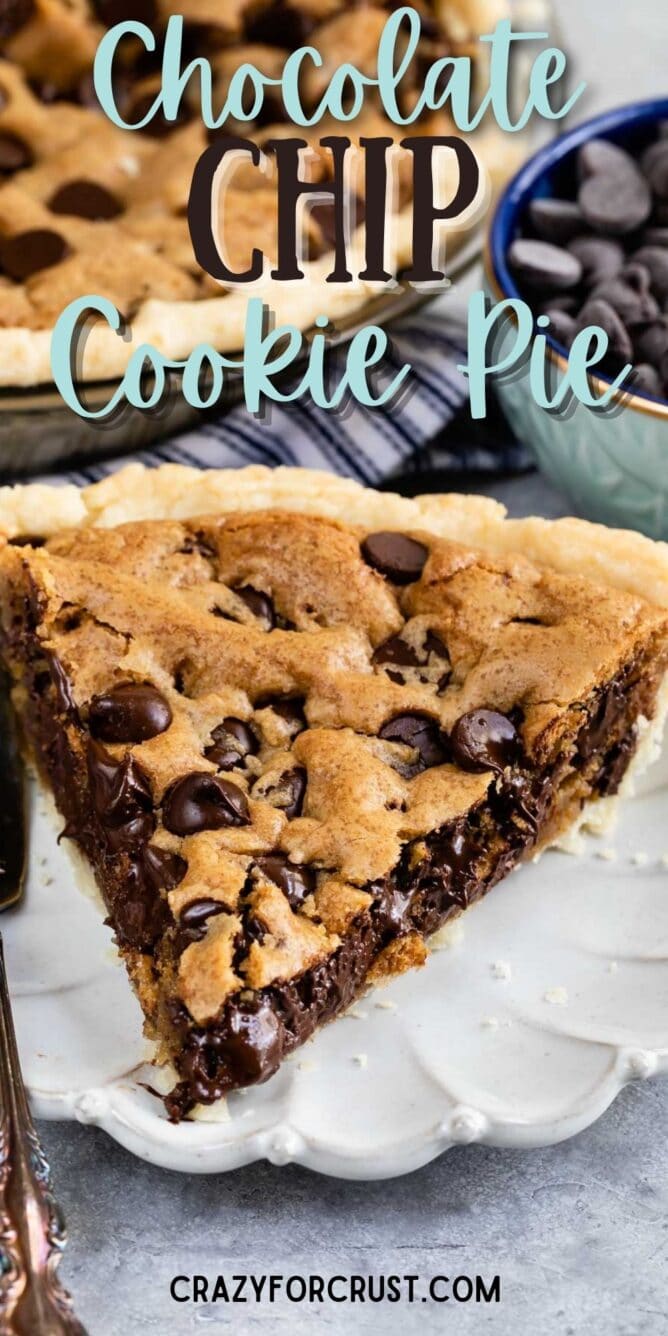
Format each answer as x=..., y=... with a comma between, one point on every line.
x=295, y=725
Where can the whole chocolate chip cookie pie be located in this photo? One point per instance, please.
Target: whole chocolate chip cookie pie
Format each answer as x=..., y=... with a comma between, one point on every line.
x=87, y=208
x=295, y=725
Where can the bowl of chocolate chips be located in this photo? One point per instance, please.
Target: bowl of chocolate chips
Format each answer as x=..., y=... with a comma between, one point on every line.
x=581, y=236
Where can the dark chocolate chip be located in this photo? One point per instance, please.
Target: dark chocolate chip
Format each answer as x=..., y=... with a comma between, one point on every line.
x=396, y=651
x=27, y=252
x=601, y=313
x=194, y=918
x=62, y=684
x=120, y=791
x=287, y=792
x=400, y=558
x=85, y=199
x=557, y=220
x=295, y=880
x=280, y=24
x=615, y=205
x=233, y=741
x=484, y=740
x=252, y=1046
x=141, y=914
x=655, y=236
x=654, y=259
x=596, y=728
x=645, y=379
x=651, y=341
x=655, y=166
x=420, y=732
x=14, y=14
x=542, y=266
x=197, y=912
x=111, y=12
x=131, y=713
x=600, y=257
x=599, y=157
x=290, y=708
x=14, y=153
x=562, y=326
x=27, y=540
x=201, y=801
x=629, y=295
x=259, y=604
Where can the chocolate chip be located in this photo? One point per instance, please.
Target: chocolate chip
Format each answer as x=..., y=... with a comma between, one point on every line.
x=557, y=220
x=162, y=868
x=396, y=651
x=14, y=14
x=399, y=558
x=645, y=379
x=120, y=791
x=651, y=341
x=259, y=604
x=294, y=879
x=601, y=313
x=542, y=266
x=600, y=157
x=252, y=1045
x=280, y=24
x=655, y=166
x=85, y=199
x=484, y=740
x=629, y=295
x=287, y=792
x=421, y=733
x=562, y=326
x=194, y=918
x=600, y=257
x=201, y=801
x=655, y=236
x=289, y=708
x=233, y=741
x=654, y=259
x=615, y=205
x=131, y=713
x=62, y=685
x=141, y=913
x=111, y=12
x=27, y=253
x=14, y=153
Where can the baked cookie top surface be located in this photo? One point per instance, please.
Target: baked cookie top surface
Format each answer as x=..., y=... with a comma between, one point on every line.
x=291, y=701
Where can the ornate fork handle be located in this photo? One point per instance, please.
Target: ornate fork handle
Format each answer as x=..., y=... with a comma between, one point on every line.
x=32, y=1229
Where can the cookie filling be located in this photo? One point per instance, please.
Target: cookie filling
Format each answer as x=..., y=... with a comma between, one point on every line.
x=291, y=748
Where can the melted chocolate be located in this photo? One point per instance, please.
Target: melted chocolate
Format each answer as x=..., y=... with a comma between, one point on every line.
x=201, y=801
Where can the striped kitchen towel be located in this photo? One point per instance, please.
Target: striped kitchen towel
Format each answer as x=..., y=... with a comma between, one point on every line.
x=371, y=445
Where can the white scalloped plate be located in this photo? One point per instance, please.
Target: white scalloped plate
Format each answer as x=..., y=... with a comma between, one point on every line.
x=449, y=1054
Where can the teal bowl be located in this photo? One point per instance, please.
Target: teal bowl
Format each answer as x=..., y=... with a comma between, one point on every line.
x=612, y=464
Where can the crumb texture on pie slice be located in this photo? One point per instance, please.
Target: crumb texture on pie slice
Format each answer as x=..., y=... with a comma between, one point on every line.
x=293, y=746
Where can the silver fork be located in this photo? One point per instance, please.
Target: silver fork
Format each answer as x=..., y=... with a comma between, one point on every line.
x=32, y=1229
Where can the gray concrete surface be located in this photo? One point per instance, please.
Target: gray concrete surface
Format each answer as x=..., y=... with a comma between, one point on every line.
x=578, y=1232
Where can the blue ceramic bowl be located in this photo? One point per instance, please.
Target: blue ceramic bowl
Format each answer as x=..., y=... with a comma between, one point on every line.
x=613, y=465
